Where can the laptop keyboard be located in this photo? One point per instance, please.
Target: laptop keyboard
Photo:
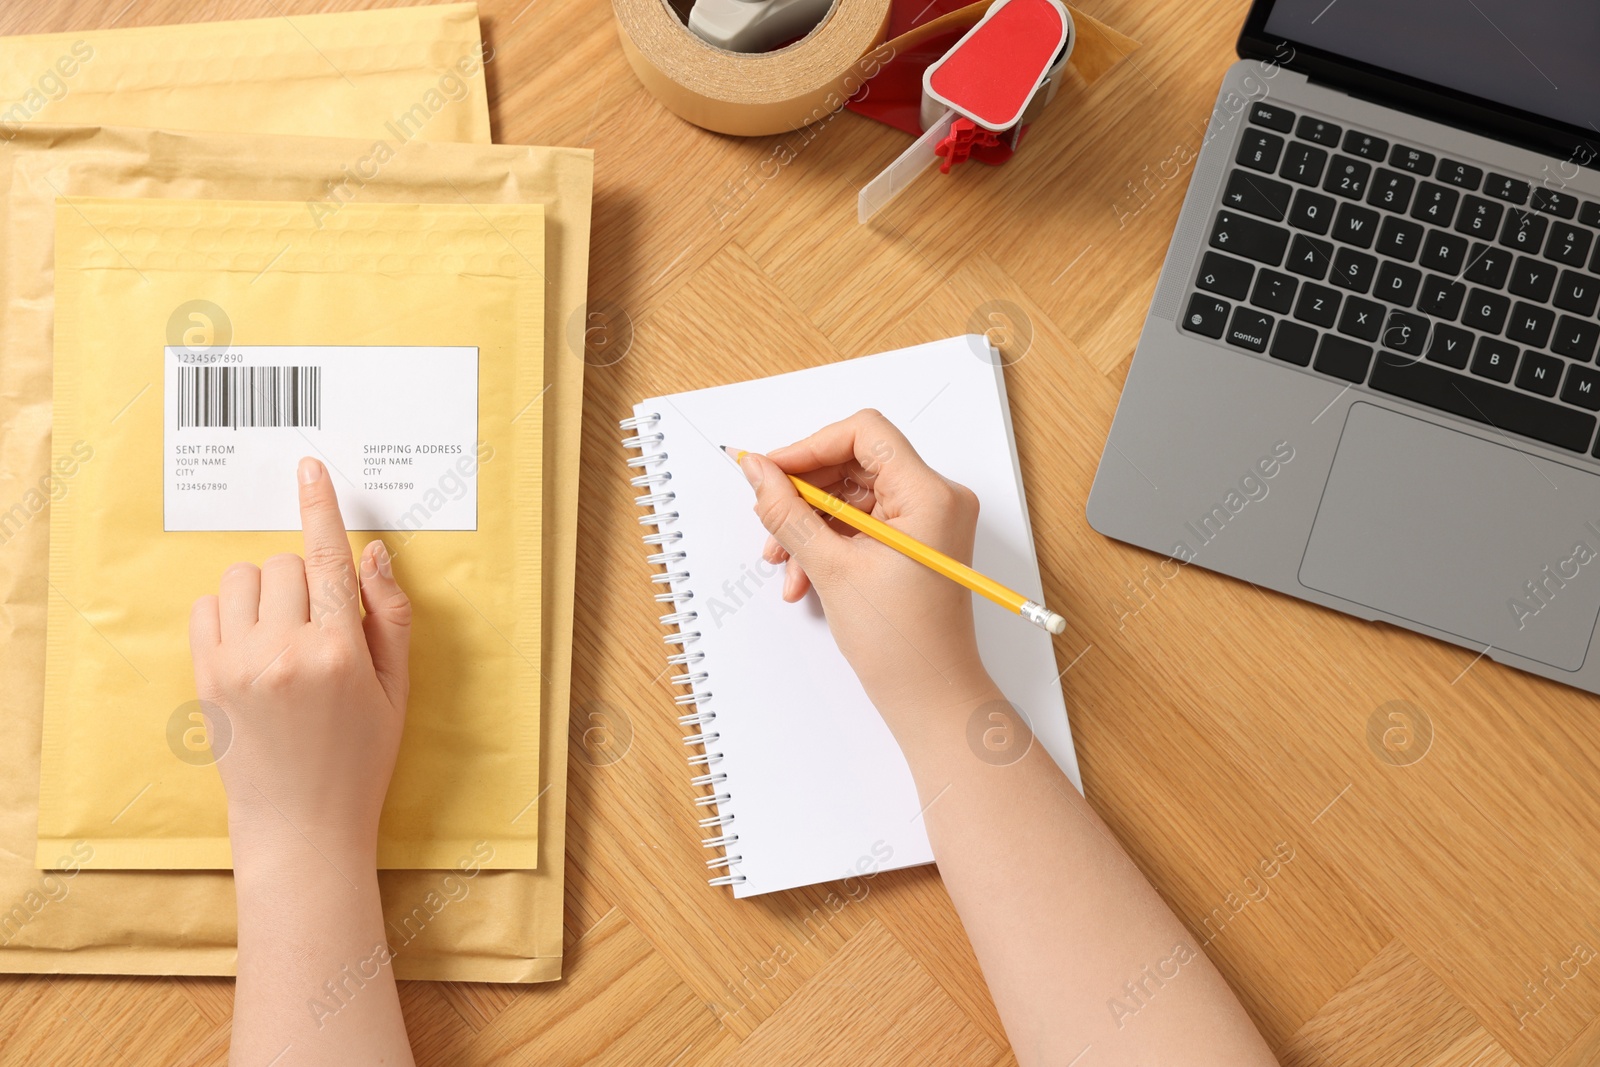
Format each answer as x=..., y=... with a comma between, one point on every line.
x=1386, y=266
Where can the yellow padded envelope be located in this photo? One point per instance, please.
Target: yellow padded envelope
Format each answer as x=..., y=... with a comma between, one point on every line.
x=410, y=73
x=464, y=925
x=508, y=928
x=201, y=347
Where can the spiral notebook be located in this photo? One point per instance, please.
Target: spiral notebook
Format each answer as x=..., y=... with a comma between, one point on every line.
x=803, y=783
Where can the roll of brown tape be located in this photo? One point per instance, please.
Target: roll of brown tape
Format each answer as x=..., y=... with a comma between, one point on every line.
x=754, y=93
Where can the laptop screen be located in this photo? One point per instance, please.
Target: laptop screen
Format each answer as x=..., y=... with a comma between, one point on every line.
x=1538, y=56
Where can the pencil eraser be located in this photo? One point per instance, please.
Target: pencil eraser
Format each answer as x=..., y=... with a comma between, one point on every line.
x=1042, y=617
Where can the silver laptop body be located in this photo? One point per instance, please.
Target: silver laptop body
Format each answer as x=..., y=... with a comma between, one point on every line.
x=1401, y=491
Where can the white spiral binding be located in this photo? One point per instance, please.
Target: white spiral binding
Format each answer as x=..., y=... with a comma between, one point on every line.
x=648, y=440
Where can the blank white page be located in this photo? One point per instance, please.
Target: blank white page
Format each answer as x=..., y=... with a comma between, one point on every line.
x=816, y=783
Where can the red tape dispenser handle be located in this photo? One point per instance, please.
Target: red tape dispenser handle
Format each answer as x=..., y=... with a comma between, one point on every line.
x=992, y=73
x=975, y=95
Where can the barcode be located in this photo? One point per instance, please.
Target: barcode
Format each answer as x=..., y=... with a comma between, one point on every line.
x=235, y=397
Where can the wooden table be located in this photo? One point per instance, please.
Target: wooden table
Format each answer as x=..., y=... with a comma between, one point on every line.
x=1437, y=901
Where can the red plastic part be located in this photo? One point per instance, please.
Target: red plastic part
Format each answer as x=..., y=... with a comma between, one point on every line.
x=963, y=139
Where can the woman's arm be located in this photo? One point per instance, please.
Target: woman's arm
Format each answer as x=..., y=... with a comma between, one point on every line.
x=1079, y=951
x=313, y=694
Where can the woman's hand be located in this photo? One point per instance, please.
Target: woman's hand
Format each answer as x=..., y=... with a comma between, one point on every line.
x=907, y=631
x=314, y=697
x=1057, y=913
x=313, y=693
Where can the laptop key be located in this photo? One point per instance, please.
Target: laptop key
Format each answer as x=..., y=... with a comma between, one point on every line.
x=1391, y=190
x=1582, y=388
x=1532, y=278
x=1494, y=358
x=1355, y=225
x=1397, y=284
x=1554, y=202
x=1303, y=163
x=1272, y=116
x=1293, y=343
x=1399, y=238
x=1365, y=145
x=1317, y=304
x=1512, y=189
x=1575, y=338
x=1539, y=373
x=1487, y=265
x=1249, y=328
x=1309, y=256
x=1451, y=345
x=1577, y=292
x=1479, y=218
x=1206, y=315
x=1259, y=150
x=1486, y=311
x=1441, y=297
x=1361, y=318
x=1323, y=133
x=1257, y=195
x=1589, y=213
x=1225, y=275
x=1311, y=211
x=1483, y=402
x=1530, y=324
x=1347, y=177
x=1406, y=333
x=1569, y=244
x=1444, y=252
x=1435, y=204
x=1353, y=270
x=1524, y=231
x=1412, y=159
x=1460, y=174
x=1342, y=358
x=1247, y=237
x=1274, y=291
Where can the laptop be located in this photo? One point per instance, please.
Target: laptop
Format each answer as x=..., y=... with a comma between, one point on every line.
x=1368, y=376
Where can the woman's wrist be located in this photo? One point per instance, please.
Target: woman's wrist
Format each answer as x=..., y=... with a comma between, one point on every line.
x=939, y=707
x=269, y=841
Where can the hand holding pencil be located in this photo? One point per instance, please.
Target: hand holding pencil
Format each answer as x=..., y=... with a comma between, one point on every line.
x=904, y=621
x=960, y=573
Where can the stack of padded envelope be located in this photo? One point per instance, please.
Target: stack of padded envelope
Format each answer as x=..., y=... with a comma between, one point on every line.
x=93, y=126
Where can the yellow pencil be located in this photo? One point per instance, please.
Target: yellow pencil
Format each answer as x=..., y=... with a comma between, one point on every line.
x=907, y=545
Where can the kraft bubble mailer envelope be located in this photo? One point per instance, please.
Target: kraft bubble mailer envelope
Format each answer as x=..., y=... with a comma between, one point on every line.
x=201, y=347
x=499, y=925
x=409, y=73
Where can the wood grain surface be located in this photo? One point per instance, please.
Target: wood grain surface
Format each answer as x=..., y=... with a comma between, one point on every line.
x=1441, y=909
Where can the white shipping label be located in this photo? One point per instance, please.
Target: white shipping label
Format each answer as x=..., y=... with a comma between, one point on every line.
x=397, y=428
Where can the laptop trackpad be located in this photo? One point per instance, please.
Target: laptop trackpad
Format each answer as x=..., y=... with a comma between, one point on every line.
x=1441, y=528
